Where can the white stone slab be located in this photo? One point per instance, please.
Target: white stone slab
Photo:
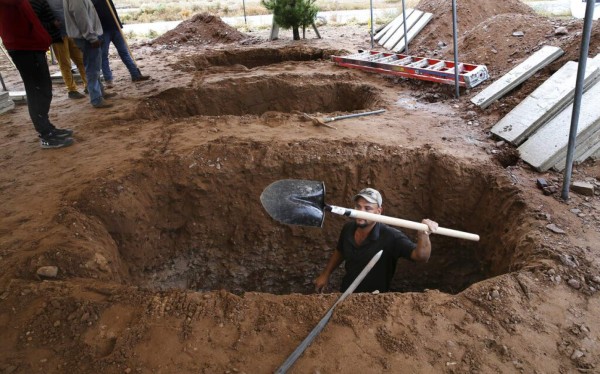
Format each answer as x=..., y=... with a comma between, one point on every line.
x=18, y=96
x=545, y=102
x=58, y=76
x=517, y=76
x=389, y=30
x=413, y=32
x=548, y=145
x=6, y=106
x=584, y=149
x=4, y=96
x=399, y=34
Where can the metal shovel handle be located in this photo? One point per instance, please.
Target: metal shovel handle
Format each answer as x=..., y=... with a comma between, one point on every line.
x=319, y=327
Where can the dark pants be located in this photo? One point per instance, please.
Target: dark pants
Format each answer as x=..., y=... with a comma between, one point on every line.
x=34, y=71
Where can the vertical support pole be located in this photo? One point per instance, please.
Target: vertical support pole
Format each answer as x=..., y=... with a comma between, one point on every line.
x=404, y=23
x=244, y=6
x=455, y=37
x=372, y=26
x=583, y=53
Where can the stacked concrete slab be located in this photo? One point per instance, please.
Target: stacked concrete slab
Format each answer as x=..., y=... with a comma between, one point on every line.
x=547, y=148
x=6, y=103
x=545, y=102
x=392, y=35
x=517, y=75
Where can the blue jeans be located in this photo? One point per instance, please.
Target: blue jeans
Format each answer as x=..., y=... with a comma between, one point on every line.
x=116, y=38
x=92, y=60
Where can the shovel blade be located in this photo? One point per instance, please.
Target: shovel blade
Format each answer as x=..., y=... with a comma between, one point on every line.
x=295, y=202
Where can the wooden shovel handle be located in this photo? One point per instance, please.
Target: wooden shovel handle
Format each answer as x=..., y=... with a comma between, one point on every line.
x=400, y=223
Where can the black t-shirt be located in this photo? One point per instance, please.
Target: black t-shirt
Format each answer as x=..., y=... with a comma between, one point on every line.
x=394, y=244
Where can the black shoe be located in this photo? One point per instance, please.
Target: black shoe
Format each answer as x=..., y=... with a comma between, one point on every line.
x=140, y=78
x=55, y=142
x=60, y=133
x=76, y=95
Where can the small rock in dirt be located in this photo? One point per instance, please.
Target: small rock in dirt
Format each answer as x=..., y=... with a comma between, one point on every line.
x=471, y=114
x=575, y=211
x=518, y=33
x=596, y=279
x=48, y=271
x=441, y=44
x=574, y=283
x=555, y=229
x=495, y=294
x=568, y=261
x=583, y=188
x=505, y=350
x=577, y=354
x=561, y=31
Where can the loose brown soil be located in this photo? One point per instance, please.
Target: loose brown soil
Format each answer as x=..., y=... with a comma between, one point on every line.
x=167, y=261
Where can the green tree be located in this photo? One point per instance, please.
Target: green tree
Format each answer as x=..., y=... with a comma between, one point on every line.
x=292, y=14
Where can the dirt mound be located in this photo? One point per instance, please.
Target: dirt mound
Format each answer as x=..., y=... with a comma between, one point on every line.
x=470, y=13
x=201, y=29
x=493, y=44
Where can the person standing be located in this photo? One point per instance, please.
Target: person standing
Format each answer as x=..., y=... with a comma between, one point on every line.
x=27, y=41
x=84, y=27
x=66, y=51
x=360, y=240
x=111, y=24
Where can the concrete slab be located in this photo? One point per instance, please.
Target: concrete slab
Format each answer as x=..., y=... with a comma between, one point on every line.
x=584, y=149
x=399, y=34
x=517, y=75
x=545, y=102
x=4, y=96
x=18, y=96
x=548, y=146
x=57, y=77
x=6, y=106
x=389, y=30
x=413, y=32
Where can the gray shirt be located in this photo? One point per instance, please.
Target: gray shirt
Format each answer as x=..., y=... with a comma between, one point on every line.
x=59, y=13
x=81, y=20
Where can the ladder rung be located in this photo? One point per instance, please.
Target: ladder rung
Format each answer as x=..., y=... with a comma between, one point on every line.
x=461, y=68
x=439, y=66
x=419, y=64
x=388, y=59
x=403, y=61
x=359, y=56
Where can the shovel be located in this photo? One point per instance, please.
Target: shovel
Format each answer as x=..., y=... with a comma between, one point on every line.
x=302, y=202
x=324, y=121
x=321, y=325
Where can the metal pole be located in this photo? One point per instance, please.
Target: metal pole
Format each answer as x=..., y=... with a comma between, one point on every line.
x=583, y=53
x=404, y=23
x=372, y=26
x=3, y=84
x=244, y=5
x=455, y=36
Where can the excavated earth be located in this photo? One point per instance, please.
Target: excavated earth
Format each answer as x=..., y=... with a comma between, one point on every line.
x=167, y=262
